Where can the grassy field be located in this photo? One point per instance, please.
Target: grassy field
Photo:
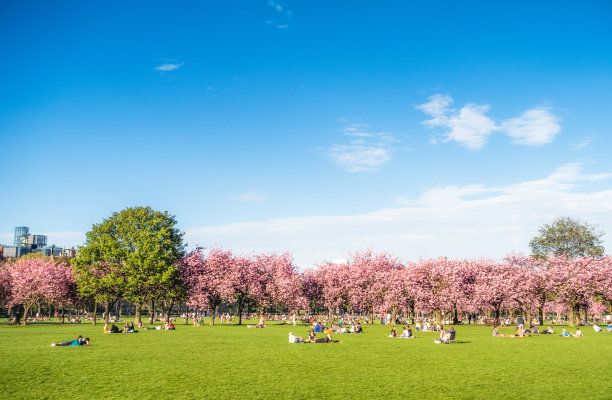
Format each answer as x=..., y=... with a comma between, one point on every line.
x=236, y=362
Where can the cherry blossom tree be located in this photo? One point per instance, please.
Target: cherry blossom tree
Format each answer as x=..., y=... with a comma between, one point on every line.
x=495, y=285
x=205, y=277
x=240, y=278
x=334, y=286
x=366, y=280
x=34, y=280
x=576, y=280
x=276, y=282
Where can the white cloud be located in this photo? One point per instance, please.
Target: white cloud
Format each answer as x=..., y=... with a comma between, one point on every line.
x=455, y=221
x=366, y=151
x=251, y=196
x=533, y=128
x=581, y=145
x=359, y=157
x=471, y=128
x=169, y=66
x=282, y=26
x=437, y=108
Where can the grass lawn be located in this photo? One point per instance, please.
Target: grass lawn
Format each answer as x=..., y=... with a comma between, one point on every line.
x=236, y=362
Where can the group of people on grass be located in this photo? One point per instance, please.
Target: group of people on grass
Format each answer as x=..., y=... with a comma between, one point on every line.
x=406, y=333
x=535, y=330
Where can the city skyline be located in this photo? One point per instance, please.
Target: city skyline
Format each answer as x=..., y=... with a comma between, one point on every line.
x=438, y=129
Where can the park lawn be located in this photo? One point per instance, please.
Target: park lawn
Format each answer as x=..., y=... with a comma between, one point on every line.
x=233, y=361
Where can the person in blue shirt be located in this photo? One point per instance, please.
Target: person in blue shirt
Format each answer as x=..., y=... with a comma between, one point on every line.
x=78, y=342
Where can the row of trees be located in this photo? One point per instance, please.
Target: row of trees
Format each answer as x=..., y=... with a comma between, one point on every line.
x=368, y=283
x=137, y=255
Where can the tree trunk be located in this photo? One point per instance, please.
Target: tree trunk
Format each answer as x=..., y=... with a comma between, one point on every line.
x=95, y=313
x=455, y=315
x=393, y=314
x=106, y=312
x=213, y=311
x=63, y=312
x=541, y=315
x=169, y=311
x=137, y=319
x=240, y=305
x=151, y=311
x=438, y=315
x=574, y=315
x=24, y=320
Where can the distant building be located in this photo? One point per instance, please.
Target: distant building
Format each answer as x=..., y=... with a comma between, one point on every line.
x=21, y=236
x=25, y=243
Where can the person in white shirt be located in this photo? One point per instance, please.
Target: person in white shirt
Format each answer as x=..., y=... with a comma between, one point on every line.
x=295, y=339
x=597, y=328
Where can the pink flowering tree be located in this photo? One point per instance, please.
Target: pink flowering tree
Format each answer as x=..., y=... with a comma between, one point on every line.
x=312, y=288
x=495, y=286
x=536, y=287
x=334, y=286
x=207, y=286
x=461, y=276
x=432, y=279
x=240, y=278
x=276, y=282
x=604, y=282
x=35, y=280
x=401, y=291
x=577, y=281
x=366, y=280
x=62, y=290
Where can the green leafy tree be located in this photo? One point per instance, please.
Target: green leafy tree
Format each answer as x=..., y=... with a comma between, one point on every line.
x=567, y=237
x=131, y=254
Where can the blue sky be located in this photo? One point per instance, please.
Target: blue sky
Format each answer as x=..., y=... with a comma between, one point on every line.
x=426, y=129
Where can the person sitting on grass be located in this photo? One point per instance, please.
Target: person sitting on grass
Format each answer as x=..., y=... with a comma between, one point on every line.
x=261, y=323
x=496, y=332
x=169, y=326
x=550, y=330
x=536, y=330
x=393, y=332
x=597, y=328
x=114, y=329
x=79, y=341
x=312, y=337
x=358, y=328
x=564, y=333
x=407, y=333
x=295, y=339
x=578, y=333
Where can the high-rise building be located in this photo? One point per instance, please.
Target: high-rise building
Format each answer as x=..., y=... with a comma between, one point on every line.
x=21, y=236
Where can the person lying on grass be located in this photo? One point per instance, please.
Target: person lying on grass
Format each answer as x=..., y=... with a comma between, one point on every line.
x=568, y=334
x=78, y=342
x=597, y=328
x=295, y=339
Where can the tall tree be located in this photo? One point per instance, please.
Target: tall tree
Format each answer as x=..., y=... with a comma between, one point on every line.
x=138, y=246
x=567, y=237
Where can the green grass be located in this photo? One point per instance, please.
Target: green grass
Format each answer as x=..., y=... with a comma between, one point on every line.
x=232, y=361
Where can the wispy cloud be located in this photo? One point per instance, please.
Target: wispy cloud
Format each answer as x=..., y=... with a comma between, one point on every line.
x=581, y=145
x=533, y=128
x=283, y=14
x=455, y=221
x=366, y=151
x=169, y=66
x=251, y=196
x=471, y=128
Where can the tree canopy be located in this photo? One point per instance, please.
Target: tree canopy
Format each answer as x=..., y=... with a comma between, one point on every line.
x=131, y=254
x=567, y=237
